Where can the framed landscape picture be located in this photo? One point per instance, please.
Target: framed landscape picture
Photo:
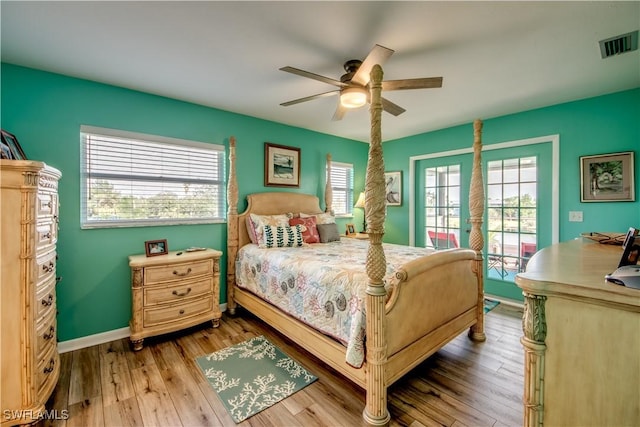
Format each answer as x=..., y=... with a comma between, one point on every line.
x=607, y=178
x=281, y=166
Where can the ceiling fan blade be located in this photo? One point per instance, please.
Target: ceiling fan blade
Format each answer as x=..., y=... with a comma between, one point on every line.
x=378, y=55
x=313, y=76
x=309, y=98
x=340, y=112
x=392, y=108
x=423, y=83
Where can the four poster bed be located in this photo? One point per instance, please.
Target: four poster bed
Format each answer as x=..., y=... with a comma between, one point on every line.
x=416, y=300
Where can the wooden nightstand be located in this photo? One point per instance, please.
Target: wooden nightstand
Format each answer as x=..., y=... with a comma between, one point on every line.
x=359, y=236
x=172, y=292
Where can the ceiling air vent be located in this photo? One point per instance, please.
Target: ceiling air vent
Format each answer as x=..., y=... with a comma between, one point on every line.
x=619, y=44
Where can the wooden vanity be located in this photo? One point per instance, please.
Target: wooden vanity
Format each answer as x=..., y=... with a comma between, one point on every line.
x=581, y=339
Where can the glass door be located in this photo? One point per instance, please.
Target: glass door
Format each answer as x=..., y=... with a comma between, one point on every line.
x=518, y=208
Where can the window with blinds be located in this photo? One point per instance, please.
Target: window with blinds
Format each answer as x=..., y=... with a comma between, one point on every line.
x=131, y=179
x=342, y=185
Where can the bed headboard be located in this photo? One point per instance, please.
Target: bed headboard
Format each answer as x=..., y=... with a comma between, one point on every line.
x=275, y=203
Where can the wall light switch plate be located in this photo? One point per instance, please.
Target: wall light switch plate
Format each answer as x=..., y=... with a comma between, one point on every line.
x=575, y=216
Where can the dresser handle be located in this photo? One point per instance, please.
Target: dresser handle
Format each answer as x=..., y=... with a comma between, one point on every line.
x=181, y=311
x=48, y=204
x=50, y=334
x=182, y=274
x=47, y=236
x=49, y=368
x=58, y=279
x=48, y=301
x=182, y=294
x=48, y=268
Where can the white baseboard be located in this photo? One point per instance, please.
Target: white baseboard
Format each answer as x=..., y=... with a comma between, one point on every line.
x=505, y=301
x=101, y=338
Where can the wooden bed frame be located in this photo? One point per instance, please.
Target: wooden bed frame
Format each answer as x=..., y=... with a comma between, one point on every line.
x=400, y=332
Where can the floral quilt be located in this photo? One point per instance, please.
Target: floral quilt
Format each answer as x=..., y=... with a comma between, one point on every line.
x=321, y=284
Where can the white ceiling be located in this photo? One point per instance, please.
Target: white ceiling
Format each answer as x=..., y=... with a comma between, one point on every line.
x=496, y=57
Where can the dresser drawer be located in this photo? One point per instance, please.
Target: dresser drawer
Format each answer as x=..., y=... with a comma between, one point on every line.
x=46, y=234
x=47, y=368
x=45, y=266
x=154, y=295
x=177, y=312
x=182, y=271
x=45, y=298
x=47, y=204
x=46, y=335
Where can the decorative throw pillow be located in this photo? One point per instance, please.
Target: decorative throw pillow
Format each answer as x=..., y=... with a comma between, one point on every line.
x=321, y=218
x=276, y=236
x=309, y=229
x=259, y=221
x=328, y=232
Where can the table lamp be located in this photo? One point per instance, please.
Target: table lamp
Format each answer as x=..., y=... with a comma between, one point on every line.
x=360, y=204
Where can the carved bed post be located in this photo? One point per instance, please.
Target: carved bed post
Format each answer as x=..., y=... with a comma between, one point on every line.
x=375, y=411
x=476, y=240
x=328, y=189
x=232, y=226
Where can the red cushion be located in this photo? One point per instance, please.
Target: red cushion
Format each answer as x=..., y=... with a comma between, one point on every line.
x=309, y=229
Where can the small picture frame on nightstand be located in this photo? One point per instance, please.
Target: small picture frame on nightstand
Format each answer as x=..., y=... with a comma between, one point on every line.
x=156, y=247
x=351, y=229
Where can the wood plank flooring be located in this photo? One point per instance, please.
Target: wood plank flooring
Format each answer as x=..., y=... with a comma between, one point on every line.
x=463, y=384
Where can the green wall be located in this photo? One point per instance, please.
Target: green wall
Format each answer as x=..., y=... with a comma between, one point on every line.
x=45, y=111
x=604, y=124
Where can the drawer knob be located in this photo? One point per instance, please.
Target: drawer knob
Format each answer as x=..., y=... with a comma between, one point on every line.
x=47, y=235
x=49, y=368
x=48, y=204
x=182, y=274
x=50, y=334
x=182, y=311
x=182, y=294
x=48, y=301
x=48, y=267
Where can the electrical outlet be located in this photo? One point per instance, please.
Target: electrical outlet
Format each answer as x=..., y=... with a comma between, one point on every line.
x=575, y=216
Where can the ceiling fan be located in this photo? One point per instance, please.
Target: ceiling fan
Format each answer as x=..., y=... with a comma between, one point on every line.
x=353, y=89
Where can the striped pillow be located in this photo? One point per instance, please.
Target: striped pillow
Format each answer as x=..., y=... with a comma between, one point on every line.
x=276, y=236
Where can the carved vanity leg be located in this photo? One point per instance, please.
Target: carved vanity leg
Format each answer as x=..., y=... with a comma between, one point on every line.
x=534, y=327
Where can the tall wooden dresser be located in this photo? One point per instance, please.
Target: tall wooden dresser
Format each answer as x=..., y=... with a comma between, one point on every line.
x=581, y=339
x=29, y=231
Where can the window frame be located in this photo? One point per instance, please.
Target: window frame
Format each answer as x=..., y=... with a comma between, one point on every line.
x=219, y=180
x=349, y=191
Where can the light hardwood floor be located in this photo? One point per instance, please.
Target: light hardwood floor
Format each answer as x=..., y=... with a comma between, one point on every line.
x=464, y=384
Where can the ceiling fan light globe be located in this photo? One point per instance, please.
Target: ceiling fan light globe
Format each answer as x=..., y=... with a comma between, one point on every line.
x=353, y=97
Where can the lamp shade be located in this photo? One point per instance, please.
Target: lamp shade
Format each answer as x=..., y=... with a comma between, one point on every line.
x=353, y=97
x=360, y=202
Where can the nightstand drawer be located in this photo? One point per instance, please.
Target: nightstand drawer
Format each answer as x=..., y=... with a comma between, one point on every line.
x=46, y=234
x=174, y=293
x=183, y=271
x=177, y=312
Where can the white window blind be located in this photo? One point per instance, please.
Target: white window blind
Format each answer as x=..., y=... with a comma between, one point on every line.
x=342, y=185
x=131, y=179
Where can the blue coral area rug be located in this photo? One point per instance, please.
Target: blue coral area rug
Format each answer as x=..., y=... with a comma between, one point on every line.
x=489, y=305
x=252, y=376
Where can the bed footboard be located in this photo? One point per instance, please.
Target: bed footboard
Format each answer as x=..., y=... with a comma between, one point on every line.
x=431, y=291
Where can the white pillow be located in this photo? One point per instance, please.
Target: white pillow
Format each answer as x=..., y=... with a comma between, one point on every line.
x=321, y=218
x=276, y=236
